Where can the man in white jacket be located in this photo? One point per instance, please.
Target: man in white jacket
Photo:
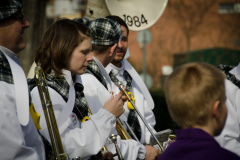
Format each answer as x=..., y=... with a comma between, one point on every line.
x=98, y=85
x=19, y=138
x=230, y=135
x=125, y=73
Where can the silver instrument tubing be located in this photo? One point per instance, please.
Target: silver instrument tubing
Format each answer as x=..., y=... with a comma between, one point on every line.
x=120, y=85
x=113, y=138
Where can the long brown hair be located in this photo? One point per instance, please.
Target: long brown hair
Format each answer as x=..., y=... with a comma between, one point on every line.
x=58, y=43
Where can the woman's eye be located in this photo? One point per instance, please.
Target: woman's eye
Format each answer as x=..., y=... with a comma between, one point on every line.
x=86, y=53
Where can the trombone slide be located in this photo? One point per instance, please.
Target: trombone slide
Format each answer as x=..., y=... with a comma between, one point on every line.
x=49, y=115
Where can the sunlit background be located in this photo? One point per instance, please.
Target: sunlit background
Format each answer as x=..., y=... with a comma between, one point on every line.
x=188, y=30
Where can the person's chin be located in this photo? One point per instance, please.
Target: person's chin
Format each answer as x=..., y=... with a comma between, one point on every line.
x=116, y=60
x=20, y=47
x=82, y=71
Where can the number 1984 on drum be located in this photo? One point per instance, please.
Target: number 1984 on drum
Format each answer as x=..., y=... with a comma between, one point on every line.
x=135, y=20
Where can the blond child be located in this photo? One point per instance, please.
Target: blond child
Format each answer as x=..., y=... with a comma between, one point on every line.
x=195, y=96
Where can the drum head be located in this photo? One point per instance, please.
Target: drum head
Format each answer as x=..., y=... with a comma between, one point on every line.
x=138, y=14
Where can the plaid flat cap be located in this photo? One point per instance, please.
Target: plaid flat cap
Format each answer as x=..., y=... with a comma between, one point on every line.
x=9, y=7
x=104, y=31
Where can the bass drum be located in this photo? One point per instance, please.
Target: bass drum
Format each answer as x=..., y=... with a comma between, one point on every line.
x=138, y=14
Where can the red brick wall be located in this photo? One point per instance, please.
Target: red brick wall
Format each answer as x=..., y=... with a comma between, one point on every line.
x=201, y=20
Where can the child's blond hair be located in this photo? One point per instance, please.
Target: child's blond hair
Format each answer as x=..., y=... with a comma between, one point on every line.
x=190, y=92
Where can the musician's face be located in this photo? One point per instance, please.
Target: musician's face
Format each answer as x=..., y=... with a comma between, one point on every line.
x=11, y=32
x=80, y=57
x=122, y=49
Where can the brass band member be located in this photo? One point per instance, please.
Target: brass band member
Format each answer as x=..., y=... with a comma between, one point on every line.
x=230, y=136
x=63, y=54
x=99, y=87
x=19, y=138
x=125, y=72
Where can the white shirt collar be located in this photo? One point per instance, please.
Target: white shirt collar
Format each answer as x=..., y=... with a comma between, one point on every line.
x=235, y=71
x=8, y=52
x=11, y=54
x=116, y=70
x=68, y=76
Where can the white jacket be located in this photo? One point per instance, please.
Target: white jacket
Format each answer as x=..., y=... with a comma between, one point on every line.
x=230, y=135
x=78, y=140
x=96, y=94
x=143, y=99
x=17, y=141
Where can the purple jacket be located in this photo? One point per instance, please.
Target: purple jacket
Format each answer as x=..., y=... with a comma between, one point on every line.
x=196, y=144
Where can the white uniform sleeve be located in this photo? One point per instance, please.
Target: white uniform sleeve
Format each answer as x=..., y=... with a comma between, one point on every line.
x=130, y=149
x=16, y=141
x=85, y=141
x=230, y=136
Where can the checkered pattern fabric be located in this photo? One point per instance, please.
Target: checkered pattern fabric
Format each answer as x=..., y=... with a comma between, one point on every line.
x=229, y=76
x=80, y=110
x=60, y=85
x=104, y=31
x=9, y=7
x=95, y=71
x=5, y=70
x=132, y=117
x=128, y=78
x=6, y=76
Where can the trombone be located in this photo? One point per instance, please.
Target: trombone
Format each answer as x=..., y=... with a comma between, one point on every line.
x=121, y=130
x=53, y=131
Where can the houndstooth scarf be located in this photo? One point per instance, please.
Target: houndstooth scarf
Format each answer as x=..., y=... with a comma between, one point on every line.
x=229, y=76
x=94, y=70
x=60, y=85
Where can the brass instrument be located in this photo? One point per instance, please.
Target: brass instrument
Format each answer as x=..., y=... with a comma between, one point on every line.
x=53, y=131
x=121, y=130
x=113, y=138
x=121, y=87
x=122, y=133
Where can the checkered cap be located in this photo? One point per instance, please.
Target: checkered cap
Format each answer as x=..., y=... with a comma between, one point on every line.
x=9, y=7
x=104, y=31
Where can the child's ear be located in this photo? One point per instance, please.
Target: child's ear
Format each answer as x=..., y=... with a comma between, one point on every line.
x=112, y=49
x=216, y=109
